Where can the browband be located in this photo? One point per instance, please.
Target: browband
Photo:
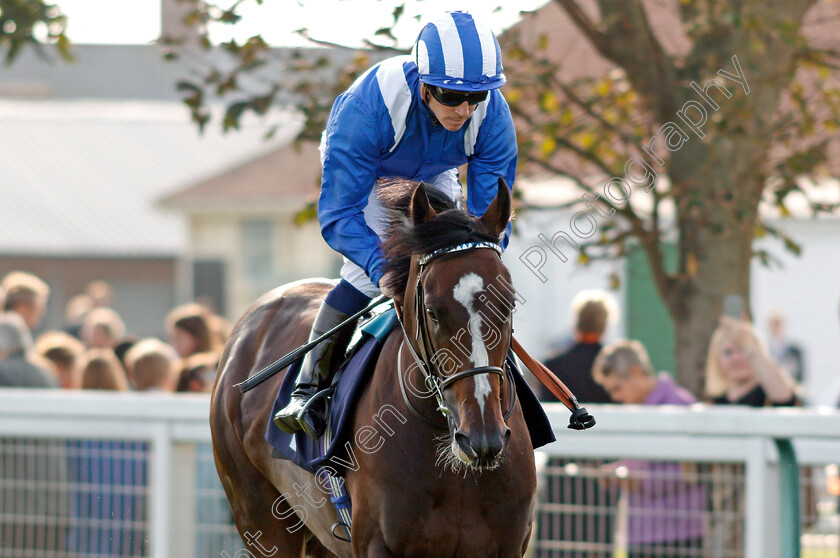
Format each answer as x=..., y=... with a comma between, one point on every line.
x=468, y=246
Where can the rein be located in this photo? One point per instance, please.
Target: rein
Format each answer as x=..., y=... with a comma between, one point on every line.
x=436, y=382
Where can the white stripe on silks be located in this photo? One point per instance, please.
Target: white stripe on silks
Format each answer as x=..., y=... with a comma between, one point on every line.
x=465, y=292
x=471, y=135
x=395, y=92
x=453, y=52
x=488, y=50
x=448, y=184
x=421, y=54
x=322, y=148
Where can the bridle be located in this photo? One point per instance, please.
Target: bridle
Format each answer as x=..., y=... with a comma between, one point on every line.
x=435, y=381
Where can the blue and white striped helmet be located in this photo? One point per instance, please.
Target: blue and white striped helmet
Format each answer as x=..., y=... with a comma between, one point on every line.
x=457, y=52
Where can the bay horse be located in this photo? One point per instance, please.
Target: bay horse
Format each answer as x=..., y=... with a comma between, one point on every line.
x=453, y=476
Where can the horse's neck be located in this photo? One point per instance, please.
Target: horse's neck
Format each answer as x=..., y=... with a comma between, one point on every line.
x=409, y=393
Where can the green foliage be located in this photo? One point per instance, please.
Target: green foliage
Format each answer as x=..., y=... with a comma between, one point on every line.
x=32, y=23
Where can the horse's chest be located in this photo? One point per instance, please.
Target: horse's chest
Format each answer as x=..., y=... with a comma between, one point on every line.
x=453, y=523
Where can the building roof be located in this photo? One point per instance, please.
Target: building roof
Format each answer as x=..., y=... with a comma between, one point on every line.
x=287, y=175
x=140, y=72
x=83, y=177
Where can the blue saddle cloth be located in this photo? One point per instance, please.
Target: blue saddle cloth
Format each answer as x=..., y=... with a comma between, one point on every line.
x=312, y=455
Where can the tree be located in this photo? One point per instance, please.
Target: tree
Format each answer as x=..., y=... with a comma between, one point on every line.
x=727, y=149
x=721, y=103
x=32, y=23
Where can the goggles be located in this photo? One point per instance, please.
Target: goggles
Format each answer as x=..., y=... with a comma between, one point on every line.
x=451, y=98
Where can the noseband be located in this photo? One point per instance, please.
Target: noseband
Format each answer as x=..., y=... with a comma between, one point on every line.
x=434, y=380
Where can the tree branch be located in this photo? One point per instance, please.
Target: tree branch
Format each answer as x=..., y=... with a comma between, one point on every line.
x=627, y=40
x=587, y=26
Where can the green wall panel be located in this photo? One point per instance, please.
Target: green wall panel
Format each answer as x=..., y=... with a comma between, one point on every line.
x=647, y=318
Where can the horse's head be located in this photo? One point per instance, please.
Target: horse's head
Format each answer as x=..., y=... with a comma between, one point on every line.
x=457, y=315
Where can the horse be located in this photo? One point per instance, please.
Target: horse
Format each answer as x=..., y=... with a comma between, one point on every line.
x=453, y=472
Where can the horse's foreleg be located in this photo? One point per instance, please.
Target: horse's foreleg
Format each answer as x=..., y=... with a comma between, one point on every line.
x=266, y=523
x=527, y=539
x=376, y=549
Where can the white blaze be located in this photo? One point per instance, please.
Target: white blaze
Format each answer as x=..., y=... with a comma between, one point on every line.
x=465, y=292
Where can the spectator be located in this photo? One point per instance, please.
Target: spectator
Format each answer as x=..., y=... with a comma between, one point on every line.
x=593, y=310
x=198, y=373
x=219, y=331
x=121, y=350
x=16, y=366
x=2, y=298
x=32, y=483
x=112, y=475
x=74, y=314
x=26, y=295
x=102, y=329
x=590, y=510
x=665, y=506
x=189, y=330
x=740, y=371
x=66, y=353
x=102, y=370
x=150, y=364
x=783, y=350
x=101, y=293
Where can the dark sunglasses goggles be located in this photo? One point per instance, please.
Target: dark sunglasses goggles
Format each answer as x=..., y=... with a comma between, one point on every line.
x=451, y=98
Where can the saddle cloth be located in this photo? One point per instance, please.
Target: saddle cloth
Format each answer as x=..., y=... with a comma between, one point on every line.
x=333, y=451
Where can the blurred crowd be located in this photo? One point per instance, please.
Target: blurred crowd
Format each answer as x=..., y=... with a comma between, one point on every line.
x=95, y=349
x=666, y=501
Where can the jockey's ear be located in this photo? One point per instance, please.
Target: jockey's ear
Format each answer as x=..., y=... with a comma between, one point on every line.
x=497, y=216
x=420, y=208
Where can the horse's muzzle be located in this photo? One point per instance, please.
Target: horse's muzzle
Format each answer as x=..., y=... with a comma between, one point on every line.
x=483, y=450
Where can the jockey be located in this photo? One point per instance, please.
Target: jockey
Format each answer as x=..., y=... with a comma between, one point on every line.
x=418, y=117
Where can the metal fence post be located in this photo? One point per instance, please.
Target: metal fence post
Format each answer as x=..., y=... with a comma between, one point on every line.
x=758, y=493
x=160, y=484
x=789, y=499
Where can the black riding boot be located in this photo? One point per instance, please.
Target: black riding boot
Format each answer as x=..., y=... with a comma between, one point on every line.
x=315, y=374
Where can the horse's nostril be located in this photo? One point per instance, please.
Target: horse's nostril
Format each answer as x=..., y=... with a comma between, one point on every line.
x=464, y=443
x=495, y=445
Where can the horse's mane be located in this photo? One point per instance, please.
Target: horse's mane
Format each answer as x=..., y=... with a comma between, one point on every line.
x=451, y=227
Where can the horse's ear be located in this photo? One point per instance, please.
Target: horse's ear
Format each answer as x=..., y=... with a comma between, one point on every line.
x=420, y=208
x=497, y=216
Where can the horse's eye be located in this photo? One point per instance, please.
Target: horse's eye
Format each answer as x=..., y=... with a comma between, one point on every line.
x=431, y=313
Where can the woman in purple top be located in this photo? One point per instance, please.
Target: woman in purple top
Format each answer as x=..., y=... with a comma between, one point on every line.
x=666, y=506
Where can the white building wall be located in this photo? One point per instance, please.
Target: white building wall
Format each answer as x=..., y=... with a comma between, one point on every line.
x=544, y=322
x=807, y=291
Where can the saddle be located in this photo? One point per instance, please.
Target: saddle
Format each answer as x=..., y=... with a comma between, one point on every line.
x=341, y=397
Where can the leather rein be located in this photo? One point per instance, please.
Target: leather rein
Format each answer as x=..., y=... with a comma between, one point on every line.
x=435, y=381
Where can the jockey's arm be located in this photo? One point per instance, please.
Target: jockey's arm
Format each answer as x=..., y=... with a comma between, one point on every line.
x=350, y=154
x=495, y=156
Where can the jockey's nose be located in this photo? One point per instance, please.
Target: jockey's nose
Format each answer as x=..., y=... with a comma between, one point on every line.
x=484, y=446
x=463, y=110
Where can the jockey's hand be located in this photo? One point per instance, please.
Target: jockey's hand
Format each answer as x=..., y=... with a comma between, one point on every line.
x=385, y=287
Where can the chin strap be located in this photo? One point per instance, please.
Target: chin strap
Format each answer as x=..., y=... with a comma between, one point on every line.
x=425, y=103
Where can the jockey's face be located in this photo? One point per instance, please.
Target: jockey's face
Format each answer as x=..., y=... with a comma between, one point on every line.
x=451, y=118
